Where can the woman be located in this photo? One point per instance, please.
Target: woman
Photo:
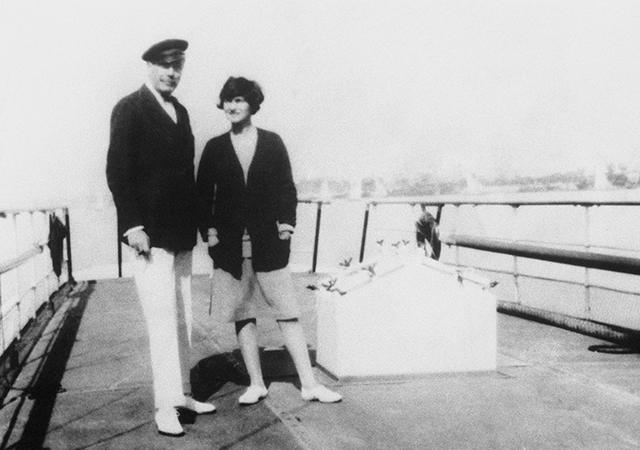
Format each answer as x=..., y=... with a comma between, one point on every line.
x=249, y=202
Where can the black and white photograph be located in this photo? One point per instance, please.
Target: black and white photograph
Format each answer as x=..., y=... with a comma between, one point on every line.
x=329, y=225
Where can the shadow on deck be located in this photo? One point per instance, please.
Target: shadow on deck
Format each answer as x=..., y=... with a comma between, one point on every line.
x=87, y=384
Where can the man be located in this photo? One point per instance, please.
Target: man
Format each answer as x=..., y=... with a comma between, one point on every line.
x=150, y=172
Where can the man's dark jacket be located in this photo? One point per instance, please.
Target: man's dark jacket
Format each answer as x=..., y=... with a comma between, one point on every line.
x=230, y=205
x=150, y=171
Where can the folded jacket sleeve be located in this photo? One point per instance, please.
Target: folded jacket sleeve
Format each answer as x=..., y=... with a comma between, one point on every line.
x=121, y=165
x=206, y=188
x=287, y=195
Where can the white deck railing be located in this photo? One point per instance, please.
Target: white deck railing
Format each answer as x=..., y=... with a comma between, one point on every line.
x=27, y=278
x=331, y=233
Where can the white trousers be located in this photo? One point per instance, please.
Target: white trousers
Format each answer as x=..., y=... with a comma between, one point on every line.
x=163, y=281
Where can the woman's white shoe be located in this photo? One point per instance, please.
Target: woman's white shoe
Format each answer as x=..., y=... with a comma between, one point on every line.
x=320, y=393
x=253, y=395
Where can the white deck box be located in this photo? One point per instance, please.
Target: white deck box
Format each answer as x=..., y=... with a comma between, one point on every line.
x=405, y=317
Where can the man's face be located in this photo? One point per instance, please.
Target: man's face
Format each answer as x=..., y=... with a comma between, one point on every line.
x=165, y=76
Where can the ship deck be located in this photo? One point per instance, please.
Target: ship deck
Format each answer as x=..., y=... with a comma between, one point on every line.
x=87, y=385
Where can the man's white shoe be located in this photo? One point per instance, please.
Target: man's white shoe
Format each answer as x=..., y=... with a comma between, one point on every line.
x=168, y=423
x=320, y=393
x=253, y=395
x=198, y=407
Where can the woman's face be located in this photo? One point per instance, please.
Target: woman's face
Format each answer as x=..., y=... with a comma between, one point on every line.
x=237, y=110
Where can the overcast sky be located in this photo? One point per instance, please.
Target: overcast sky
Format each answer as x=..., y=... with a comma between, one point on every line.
x=353, y=87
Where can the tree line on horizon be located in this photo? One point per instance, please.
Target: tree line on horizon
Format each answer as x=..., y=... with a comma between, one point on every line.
x=616, y=176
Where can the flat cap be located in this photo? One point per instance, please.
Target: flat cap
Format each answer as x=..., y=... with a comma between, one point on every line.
x=167, y=50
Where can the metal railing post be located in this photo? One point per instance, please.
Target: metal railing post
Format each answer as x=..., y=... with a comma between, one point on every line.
x=455, y=230
x=316, y=239
x=69, y=262
x=16, y=253
x=119, y=257
x=587, y=247
x=364, y=231
x=32, y=269
x=2, y=339
x=516, y=275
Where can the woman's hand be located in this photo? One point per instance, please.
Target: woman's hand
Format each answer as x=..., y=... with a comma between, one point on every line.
x=284, y=231
x=284, y=235
x=139, y=240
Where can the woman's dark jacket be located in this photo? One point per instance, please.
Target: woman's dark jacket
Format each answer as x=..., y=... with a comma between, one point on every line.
x=229, y=205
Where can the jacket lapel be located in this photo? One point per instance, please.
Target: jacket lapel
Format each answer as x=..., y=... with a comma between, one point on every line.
x=257, y=156
x=234, y=162
x=155, y=111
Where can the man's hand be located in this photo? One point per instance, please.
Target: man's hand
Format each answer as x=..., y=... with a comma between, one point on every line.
x=139, y=240
x=212, y=237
